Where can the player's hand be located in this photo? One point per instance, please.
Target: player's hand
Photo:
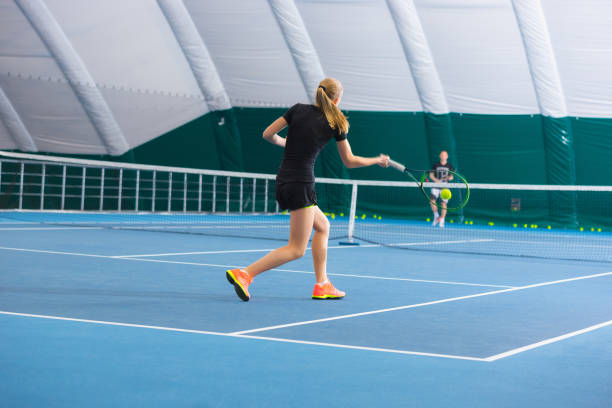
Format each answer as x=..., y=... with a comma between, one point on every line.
x=383, y=160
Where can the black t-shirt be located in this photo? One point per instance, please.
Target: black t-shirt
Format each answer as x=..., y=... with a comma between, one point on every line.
x=309, y=132
x=441, y=170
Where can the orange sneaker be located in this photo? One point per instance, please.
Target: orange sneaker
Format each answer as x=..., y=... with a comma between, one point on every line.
x=326, y=291
x=241, y=281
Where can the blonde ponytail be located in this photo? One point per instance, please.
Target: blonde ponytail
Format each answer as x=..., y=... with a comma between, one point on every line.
x=330, y=89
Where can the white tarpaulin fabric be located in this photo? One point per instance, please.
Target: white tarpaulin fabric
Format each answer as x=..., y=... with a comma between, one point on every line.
x=137, y=79
x=540, y=57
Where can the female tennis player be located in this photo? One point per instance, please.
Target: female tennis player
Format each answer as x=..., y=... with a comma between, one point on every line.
x=310, y=128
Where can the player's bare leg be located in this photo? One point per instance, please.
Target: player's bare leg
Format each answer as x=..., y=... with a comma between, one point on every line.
x=434, y=209
x=301, y=223
x=442, y=214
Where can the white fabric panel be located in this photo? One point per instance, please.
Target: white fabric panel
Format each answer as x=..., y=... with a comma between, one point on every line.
x=358, y=44
x=157, y=112
x=24, y=59
x=18, y=39
x=14, y=125
x=418, y=56
x=540, y=57
x=130, y=50
x=196, y=53
x=53, y=115
x=249, y=51
x=581, y=36
x=6, y=141
x=126, y=44
x=479, y=54
x=300, y=45
x=76, y=73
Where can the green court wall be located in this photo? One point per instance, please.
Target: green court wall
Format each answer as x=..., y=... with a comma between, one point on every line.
x=505, y=149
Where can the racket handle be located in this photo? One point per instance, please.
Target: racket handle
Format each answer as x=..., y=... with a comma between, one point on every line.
x=397, y=166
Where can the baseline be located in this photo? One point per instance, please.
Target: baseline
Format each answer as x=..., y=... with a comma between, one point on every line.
x=211, y=333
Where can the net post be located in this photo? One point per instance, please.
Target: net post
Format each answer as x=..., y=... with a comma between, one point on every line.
x=83, y=188
x=21, y=186
x=254, y=193
x=153, y=187
x=169, y=191
x=42, y=187
x=137, y=189
x=241, y=192
x=200, y=193
x=266, y=197
x=63, y=186
x=119, y=194
x=227, y=195
x=214, y=194
x=351, y=226
x=185, y=192
x=102, y=190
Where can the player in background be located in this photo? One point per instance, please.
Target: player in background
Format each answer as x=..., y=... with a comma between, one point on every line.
x=440, y=174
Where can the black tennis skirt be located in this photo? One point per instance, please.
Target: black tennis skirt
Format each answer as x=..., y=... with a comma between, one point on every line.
x=295, y=195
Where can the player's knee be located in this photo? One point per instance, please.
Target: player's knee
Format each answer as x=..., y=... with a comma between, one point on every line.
x=296, y=252
x=322, y=226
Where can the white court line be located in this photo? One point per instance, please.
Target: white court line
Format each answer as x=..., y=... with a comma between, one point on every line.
x=308, y=249
x=172, y=329
x=241, y=266
x=391, y=309
x=49, y=228
x=230, y=251
x=400, y=279
x=53, y=252
x=549, y=242
x=547, y=341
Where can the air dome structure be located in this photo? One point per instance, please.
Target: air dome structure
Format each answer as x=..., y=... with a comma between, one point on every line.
x=516, y=90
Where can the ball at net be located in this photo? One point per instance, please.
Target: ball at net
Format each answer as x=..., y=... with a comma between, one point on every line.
x=445, y=194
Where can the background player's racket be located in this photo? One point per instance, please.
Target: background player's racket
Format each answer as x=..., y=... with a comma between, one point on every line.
x=459, y=197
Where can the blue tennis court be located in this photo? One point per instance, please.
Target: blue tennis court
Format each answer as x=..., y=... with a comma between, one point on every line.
x=97, y=316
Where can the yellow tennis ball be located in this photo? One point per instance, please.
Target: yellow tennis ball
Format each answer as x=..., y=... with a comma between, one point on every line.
x=342, y=214
x=514, y=225
x=363, y=216
x=427, y=219
x=379, y=217
x=445, y=194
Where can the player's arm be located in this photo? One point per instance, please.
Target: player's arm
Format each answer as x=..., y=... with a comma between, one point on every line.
x=271, y=132
x=352, y=161
x=431, y=176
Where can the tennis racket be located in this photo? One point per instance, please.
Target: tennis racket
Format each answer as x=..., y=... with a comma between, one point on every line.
x=459, y=186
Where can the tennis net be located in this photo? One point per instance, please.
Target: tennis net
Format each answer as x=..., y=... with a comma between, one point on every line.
x=555, y=222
